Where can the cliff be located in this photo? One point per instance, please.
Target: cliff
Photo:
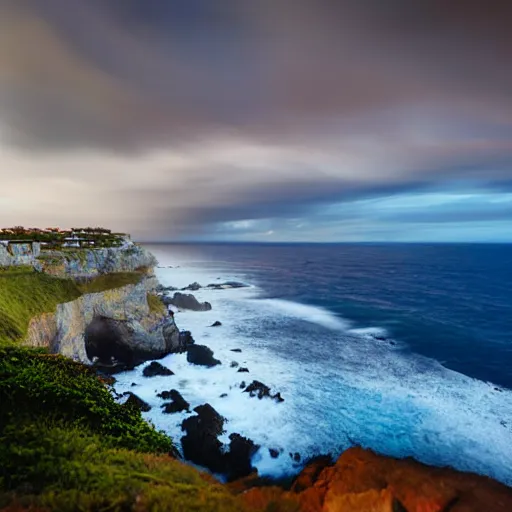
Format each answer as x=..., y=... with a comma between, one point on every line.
x=116, y=323
x=92, y=305
x=77, y=263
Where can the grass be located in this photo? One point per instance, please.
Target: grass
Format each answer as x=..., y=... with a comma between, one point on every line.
x=25, y=294
x=155, y=304
x=66, y=445
x=109, y=281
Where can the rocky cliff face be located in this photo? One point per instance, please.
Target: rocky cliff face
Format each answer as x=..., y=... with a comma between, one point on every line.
x=362, y=481
x=116, y=323
x=85, y=263
x=18, y=254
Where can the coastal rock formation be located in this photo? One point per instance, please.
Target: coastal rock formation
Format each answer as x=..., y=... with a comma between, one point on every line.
x=192, y=287
x=113, y=327
x=201, y=355
x=201, y=446
x=177, y=404
x=155, y=369
x=260, y=390
x=19, y=254
x=362, y=481
x=188, y=301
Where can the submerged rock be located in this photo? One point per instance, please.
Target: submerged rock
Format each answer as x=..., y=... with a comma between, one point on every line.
x=178, y=403
x=273, y=453
x=227, y=285
x=260, y=390
x=188, y=301
x=201, y=355
x=236, y=350
x=155, y=369
x=243, y=370
x=216, y=324
x=192, y=287
x=137, y=402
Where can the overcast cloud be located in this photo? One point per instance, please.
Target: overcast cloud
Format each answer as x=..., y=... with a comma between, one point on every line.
x=258, y=120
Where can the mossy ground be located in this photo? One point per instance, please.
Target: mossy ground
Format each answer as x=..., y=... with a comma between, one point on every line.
x=155, y=304
x=110, y=281
x=25, y=294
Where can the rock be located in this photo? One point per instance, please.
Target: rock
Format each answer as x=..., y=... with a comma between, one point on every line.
x=216, y=324
x=260, y=390
x=178, y=403
x=243, y=370
x=192, y=287
x=188, y=301
x=176, y=342
x=309, y=474
x=136, y=402
x=236, y=350
x=273, y=453
x=224, y=395
x=134, y=384
x=243, y=384
x=200, y=444
x=155, y=369
x=238, y=459
x=227, y=285
x=201, y=355
x=295, y=456
x=233, y=364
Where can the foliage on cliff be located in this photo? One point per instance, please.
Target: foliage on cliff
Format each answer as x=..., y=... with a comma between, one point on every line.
x=65, y=444
x=25, y=294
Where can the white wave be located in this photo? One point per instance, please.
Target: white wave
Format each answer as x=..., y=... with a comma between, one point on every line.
x=313, y=314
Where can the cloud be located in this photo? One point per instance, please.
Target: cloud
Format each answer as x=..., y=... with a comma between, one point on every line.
x=171, y=118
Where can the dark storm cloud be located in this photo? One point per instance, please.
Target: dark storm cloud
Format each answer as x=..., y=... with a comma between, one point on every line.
x=309, y=101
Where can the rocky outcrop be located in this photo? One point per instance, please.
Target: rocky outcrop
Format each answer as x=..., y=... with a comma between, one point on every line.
x=201, y=355
x=364, y=481
x=111, y=327
x=227, y=285
x=19, y=254
x=177, y=404
x=201, y=444
x=155, y=369
x=188, y=301
x=136, y=402
x=260, y=390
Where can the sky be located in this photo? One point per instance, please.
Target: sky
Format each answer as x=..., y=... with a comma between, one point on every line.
x=264, y=120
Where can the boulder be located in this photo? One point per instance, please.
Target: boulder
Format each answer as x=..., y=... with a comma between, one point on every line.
x=238, y=459
x=176, y=342
x=216, y=324
x=156, y=369
x=233, y=364
x=188, y=301
x=201, y=445
x=201, y=355
x=243, y=370
x=178, y=403
x=260, y=390
x=192, y=287
x=273, y=453
x=136, y=402
x=236, y=350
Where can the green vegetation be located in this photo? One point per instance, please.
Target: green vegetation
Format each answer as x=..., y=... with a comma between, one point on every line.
x=109, y=281
x=66, y=445
x=25, y=294
x=155, y=304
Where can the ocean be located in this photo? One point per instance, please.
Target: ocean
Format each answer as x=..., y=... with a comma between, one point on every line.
x=402, y=348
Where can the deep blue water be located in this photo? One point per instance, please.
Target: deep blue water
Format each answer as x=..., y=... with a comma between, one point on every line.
x=452, y=303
